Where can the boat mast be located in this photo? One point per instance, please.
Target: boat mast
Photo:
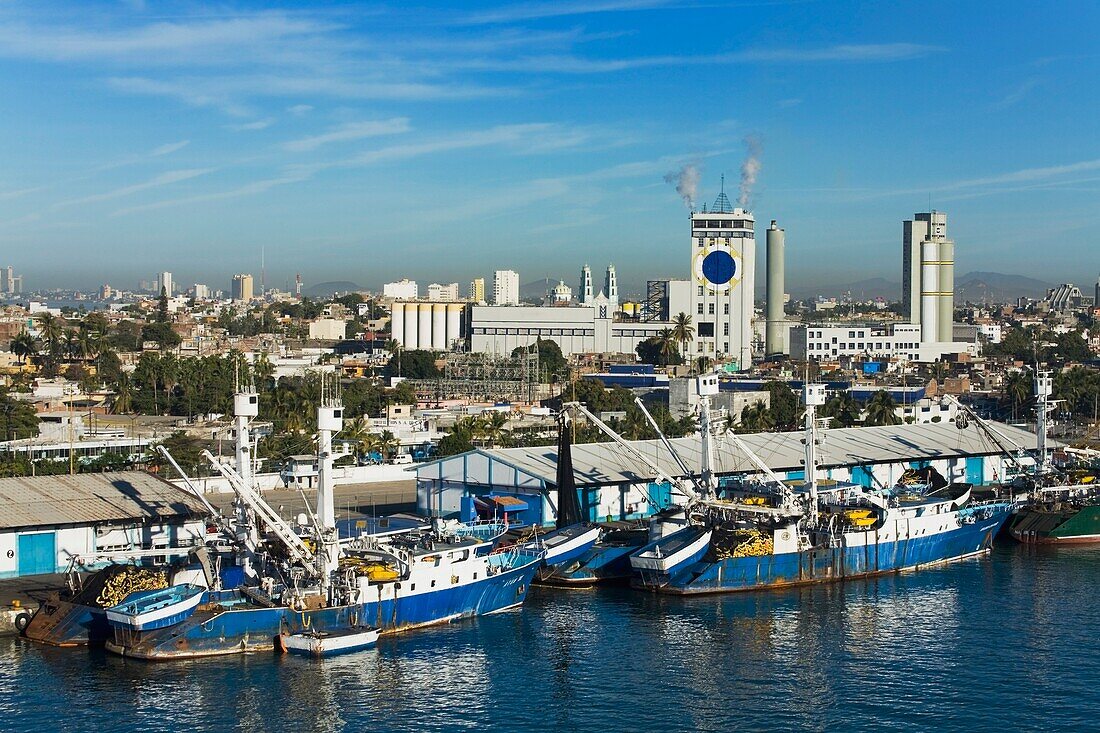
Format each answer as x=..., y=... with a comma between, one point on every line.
x=814, y=396
x=1044, y=386
x=330, y=420
x=246, y=406
x=707, y=386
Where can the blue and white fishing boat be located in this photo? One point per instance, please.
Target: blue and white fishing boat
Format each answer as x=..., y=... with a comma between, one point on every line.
x=155, y=609
x=773, y=534
x=392, y=581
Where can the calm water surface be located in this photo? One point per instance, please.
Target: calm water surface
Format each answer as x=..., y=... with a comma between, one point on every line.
x=1001, y=643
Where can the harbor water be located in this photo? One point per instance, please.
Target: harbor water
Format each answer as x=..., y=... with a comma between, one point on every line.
x=1008, y=641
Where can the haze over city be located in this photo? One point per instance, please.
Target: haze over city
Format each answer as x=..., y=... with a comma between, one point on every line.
x=364, y=142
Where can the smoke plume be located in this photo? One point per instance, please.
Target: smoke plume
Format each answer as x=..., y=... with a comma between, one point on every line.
x=750, y=169
x=686, y=181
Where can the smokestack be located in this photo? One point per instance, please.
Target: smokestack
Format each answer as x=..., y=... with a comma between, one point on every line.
x=773, y=339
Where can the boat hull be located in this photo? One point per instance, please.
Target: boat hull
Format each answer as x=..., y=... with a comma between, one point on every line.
x=236, y=630
x=829, y=564
x=600, y=564
x=1037, y=526
x=328, y=645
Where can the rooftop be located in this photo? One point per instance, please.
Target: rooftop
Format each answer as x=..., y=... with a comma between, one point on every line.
x=50, y=501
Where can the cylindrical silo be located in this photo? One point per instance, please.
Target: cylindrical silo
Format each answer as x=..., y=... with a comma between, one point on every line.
x=773, y=337
x=947, y=291
x=397, y=323
x=930, y=289
x=425, y=317
x=412, y=330
x=439, y=326
x=454, y=323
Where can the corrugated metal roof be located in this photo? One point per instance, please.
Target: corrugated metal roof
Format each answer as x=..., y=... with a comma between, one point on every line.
x=44, y=501
x=609, y=463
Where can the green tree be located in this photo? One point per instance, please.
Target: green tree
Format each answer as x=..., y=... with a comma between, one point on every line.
x=552, y=363
x=659, y=350
x=24, y=347
x=784, y=404
x=186, y=450
x=881, y=409
x=1019, y=389
x=459, y=440
x=843, y=408
x=756, y=418
x=416, y=364
x=682, y=331
x=17, y=419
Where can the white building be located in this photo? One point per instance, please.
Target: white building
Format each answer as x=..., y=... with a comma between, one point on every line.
x=242, y=287
x=928, y=275
x=476, y=293
x=991, y=332
x=890, y=341
x=437, y=292
x=328, y=329
x=164, y=283
x=723, y=266
x=505, y=287
x=404, y=289
x=202, y=292
x=584, y=291
x=561, y=294
x=428, y=326
x=577, y=330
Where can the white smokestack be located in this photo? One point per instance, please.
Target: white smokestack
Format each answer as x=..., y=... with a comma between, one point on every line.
x=749, y=170
x=686, y=181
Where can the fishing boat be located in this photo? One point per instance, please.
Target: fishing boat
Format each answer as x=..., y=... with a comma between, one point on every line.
x=773, y=533
x=391, y=581
x=1061, y=507
x=328, y=643
x=155, y=609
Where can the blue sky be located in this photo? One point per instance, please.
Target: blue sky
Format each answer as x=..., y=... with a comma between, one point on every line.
x=365, y=141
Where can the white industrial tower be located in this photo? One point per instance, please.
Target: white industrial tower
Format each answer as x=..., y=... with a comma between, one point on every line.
x=164, y=283
x=928, y=276
x=723, y=264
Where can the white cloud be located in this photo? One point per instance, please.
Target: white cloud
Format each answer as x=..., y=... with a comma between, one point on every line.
x=290, y=175
x=300, y=109
x=536, y=11
x=169, y=148
x=348, y=132
x=257, y=125
x=164, y=179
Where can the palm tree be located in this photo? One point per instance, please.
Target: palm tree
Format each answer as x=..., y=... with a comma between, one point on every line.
x=756, y=418
x=24, y=347
x=73, y=349
x=881, y=410
x=702, y=364
x=394, y=347
x=1018, y=389
x=666, y=342
x=388, y=443
x=843, y=408
x=124, y=395
x=493, y=427
x=51, y=330
x=682, y=331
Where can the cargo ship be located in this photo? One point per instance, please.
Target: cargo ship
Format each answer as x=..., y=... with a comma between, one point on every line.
x=773, y=533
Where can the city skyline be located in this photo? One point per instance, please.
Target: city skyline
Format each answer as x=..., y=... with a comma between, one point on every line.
x=373, y=144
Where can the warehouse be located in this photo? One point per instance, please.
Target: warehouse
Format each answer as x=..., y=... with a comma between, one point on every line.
x=614, y=484
x=47, y=521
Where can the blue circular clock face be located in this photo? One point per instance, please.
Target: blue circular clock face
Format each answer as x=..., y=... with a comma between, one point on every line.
x=719, y=267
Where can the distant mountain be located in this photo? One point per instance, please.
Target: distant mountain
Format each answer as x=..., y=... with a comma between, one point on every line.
x=869, y=289
x=324, y=290
x=537, y=288
x=997, y=287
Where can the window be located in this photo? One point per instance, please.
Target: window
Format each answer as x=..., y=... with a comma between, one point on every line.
x=851, y=334
x=726, y=308
x=726, y=346
x=710, y=309
x=725, y=329
x=700, y=291
x=699, y=309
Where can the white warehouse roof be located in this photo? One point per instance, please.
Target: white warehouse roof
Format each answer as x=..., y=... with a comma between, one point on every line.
x=610, y=463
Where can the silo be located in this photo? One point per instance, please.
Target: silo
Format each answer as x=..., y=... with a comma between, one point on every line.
x=774, y=311
x=454, y=323
x=439, y=326
x=412, y=332
x=425, y=317
x=929, y=290
x=947, y=291
x=397, y=323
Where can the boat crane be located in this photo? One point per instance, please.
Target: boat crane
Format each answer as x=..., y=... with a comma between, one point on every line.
x=658, y=472
x=219, y=520
x=298, y=549
x=668, y=445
